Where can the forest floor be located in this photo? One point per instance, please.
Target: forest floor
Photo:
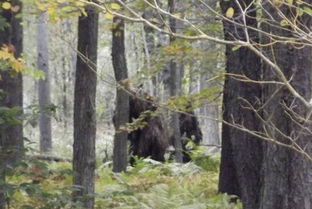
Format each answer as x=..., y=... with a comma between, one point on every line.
x=149, y=185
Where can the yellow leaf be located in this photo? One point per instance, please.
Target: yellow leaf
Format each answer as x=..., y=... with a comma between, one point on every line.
x=17, y=66
x=284, y=23
x=278, y=3
x=6, y=5
x=177, y=15
x=299, y=2
x=229, y=12
x=115, y=6
x=236, y=47
x=109, y=16
x=40, y=6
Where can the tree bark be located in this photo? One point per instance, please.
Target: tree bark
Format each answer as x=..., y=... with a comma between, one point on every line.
x=174, y=89
x=241, y=155
x=11, y=86
x=174, y=86
x=44, y=85
x=121, y=116
x=84, y=108
x=287, y=181
x=149, y=49
x=210, y=109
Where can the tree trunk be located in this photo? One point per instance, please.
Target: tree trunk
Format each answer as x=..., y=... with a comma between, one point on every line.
x=84, y=108
x=287, y=182
x=211, y=132
x=121, y=116
x=2, y=194
x=44, y=85
x=11, y=86
x=174, y=86
x=149, y=48
x=241, y=155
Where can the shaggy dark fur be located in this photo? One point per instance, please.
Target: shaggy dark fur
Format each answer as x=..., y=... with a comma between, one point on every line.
x=189, y=128
x=151, y=140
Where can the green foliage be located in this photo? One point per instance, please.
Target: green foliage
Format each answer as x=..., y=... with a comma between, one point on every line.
x=159, y=186
x=188, y=102
x=10, y=116
x=203, y=159
x=8, y=62
x=34, y=73
x=3, y=23
x=140, y=122
x=35, y=184
x=57, y=9
x=32, y=113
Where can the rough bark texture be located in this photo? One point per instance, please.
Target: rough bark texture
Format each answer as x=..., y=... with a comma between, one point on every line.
x=11, y=136
x=211, y=132
x=121, y=116
x=44, y=85
x=174, y=86
x=174, y=116
x=2, y=195
x=241, y=155
x=84, y=108
x=149, y=47
x=287, y=175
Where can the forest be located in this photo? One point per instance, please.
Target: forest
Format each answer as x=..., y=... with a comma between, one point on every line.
x=156, y=104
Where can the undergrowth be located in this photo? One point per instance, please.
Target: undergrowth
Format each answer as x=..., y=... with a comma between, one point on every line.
x=148, y=185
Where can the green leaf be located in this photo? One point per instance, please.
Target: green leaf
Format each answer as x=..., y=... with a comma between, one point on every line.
x=290, y=2
x=299, y=11
x=115, y=6
x=6, y=5
x=108, y=16
x=307, y=10
x=299, y=2
x=284, y=23
x=236, y=47
x=3, y=23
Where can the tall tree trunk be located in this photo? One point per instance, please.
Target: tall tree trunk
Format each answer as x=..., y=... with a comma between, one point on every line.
x=64, y=99
x=149, y=47
x=84, y=108
x=121, y=116
x=287, y=182
x=11, y=86
x=211, y=132
x=44, y=85
x=241, y=155
x=174, y=86
x=201, y=77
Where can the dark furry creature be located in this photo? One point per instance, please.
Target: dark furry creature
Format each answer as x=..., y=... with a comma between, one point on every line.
x=189, y=129
x=150, y=140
